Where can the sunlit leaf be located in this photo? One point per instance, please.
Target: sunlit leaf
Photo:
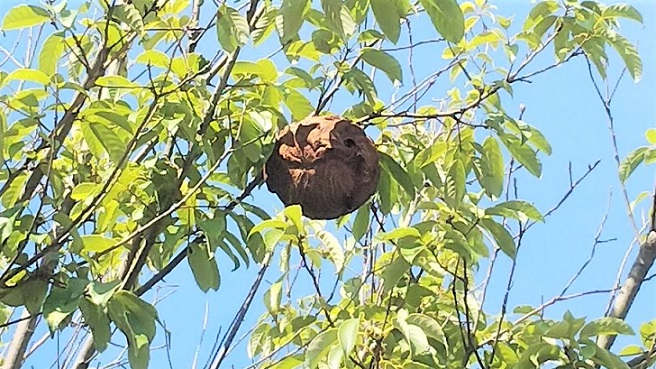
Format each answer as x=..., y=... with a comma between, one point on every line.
x=318, y=348
x=31, y=75
x=334, y=249
x=622, y=11
x=348, y=334
x=606, y=326
x=51, y=51
x=628, y=53
x=272, y=297
x=516, y=209
x=631, y=162
x=23, y=16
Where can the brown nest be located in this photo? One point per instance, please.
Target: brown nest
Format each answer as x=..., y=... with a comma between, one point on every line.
x=326, y=164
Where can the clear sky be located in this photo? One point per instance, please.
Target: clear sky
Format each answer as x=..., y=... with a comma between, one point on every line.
x=563, y=105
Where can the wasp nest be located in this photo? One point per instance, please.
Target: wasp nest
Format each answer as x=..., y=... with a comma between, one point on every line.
x=326, y=164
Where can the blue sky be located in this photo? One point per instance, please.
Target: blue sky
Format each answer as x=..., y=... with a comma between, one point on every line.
x=563, y=105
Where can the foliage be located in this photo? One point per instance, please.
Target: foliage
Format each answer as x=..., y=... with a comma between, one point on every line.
x=125, y=149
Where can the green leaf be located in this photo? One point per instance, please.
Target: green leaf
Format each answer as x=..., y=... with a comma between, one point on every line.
x=387, y=18
x=15, y=190
x=333, y=14
x=334, y=249
x=387, y=192
x=430, y=154
x=109, y=140
x=289, y=362
x=231, y=28
x=154, y=58
x=267, y=70
x=650, y=135
x=51, y=51
x=298, y=104
x=334, y=357
x=418, y=340
x=318, y=348
x=631, y=350
x=99, y=293
x=136, y=320
x=98, y=322
x=203, y=266
x=292, y=15
x=264, y=69
x=268, y=224
x=62, y=302
x=447, y=17
x=3, y=134
x=115, y=81
x=631, y=162
x=23, y=16
x=540, y=11
x=607, y=359
x=457, y=242
x=399, y=233
x=606, y=326
x=516, y=209
x=30, y=75
x=393, y=272
x=83, y=191
x=454, y=185
x=96, y=243
x=501, y=235
x=492, y=168
x=293, y=214
x=383, y=61
x=272, y=298
x=414, y=335
x=523, y=153
x=397, y=173
x=538, y=140
x=622, y=11
x=362, y=82
x=628, y=53
x=348, y=334
x=595, y=50
x=34, y=293
x=361, y=223
x=429, y=325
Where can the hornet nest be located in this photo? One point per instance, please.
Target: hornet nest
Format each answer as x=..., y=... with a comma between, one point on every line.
x=324, y=163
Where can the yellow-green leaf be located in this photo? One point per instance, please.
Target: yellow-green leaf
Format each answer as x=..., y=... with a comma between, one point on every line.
x=23, y=16
x=347, y=334
x=30, y=75
x=319, y=347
